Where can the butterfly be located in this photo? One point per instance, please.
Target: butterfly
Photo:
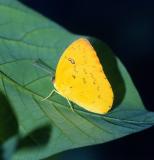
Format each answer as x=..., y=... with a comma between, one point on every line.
x=80, y=78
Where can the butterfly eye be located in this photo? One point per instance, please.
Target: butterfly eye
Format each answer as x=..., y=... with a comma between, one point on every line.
x=53, y=79
x=71, y=60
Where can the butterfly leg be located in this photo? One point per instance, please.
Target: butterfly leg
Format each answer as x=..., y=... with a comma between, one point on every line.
x=70, y=104
x=51, y=93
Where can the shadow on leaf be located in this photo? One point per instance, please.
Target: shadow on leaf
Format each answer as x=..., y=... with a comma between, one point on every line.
x=111, y=70
x=8, y=121
x=8, y=128
x=10, y=142
x=36, y=138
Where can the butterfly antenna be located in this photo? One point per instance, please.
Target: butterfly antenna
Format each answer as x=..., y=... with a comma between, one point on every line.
x=51, y=93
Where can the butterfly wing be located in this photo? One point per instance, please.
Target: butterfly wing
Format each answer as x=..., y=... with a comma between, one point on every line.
x=80, y=77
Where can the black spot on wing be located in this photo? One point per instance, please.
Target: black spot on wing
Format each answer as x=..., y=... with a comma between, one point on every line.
x=84, y=80
x=71, y=60
x=74, y=77
x=94, y=82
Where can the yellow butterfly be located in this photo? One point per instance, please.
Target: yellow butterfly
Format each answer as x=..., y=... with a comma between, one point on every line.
x=80, y=78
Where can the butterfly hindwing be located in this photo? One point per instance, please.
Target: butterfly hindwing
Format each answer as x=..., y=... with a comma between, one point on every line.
x=80, y=77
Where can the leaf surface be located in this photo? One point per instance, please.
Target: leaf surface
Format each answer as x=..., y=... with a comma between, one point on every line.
x=26, y=36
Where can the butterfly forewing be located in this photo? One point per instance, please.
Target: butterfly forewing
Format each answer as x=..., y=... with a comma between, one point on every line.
x=80, y=78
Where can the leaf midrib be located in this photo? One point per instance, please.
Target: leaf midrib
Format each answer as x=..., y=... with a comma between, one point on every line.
x=99, y=116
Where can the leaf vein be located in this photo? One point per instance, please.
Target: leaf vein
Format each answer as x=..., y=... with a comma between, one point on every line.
x=35, y=94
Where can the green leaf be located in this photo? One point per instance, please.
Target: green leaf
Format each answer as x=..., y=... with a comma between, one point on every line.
x=8, y=129
x=25, y=37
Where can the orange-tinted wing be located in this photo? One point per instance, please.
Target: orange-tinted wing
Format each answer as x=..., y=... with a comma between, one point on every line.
x=80, y=77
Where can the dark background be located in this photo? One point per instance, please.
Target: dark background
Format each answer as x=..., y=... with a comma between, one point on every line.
x=127, y=27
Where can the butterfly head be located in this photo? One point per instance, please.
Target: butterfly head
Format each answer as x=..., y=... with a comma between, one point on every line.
x=53, y=79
